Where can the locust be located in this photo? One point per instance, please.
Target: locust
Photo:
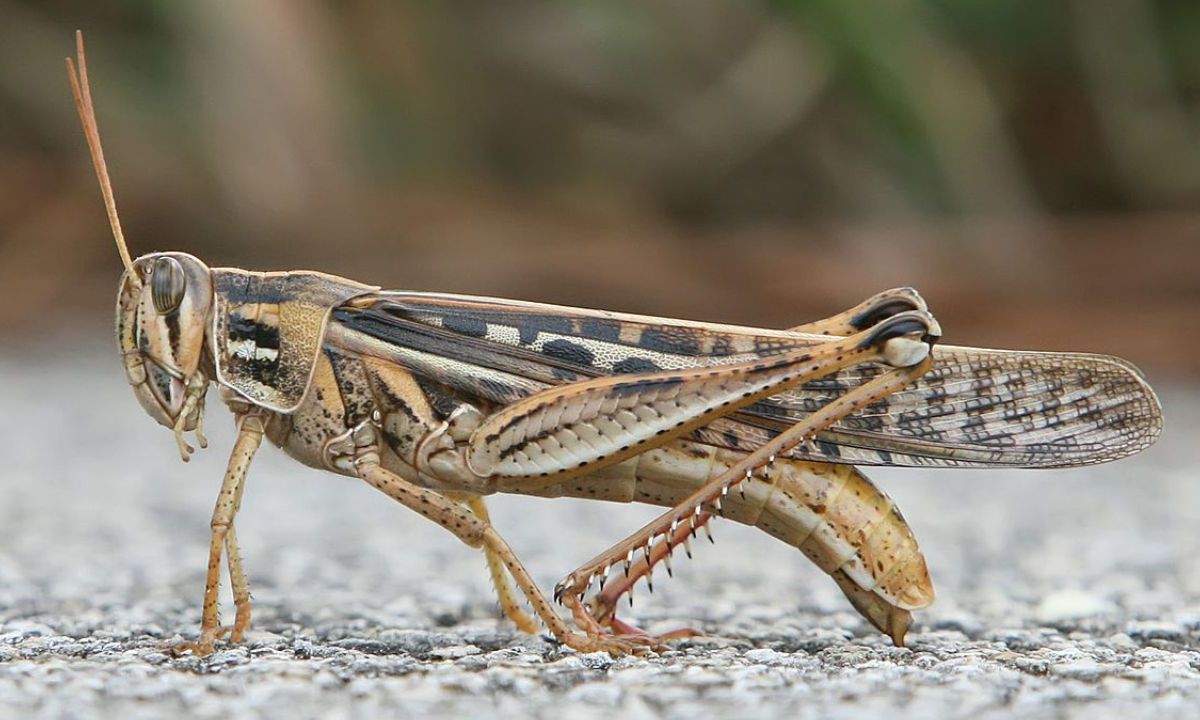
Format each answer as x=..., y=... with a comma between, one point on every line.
x=439, y=400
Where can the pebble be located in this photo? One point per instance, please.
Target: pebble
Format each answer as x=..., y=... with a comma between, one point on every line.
x=1155, y=630
x=455, y=652
x=1065, y=605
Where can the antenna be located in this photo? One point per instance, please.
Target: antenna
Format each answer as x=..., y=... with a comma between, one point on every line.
x=87, y=115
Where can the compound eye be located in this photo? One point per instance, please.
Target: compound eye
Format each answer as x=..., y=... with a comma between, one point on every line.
x=167, y=284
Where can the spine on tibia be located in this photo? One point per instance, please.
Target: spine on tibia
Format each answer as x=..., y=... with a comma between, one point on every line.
x=832, y=513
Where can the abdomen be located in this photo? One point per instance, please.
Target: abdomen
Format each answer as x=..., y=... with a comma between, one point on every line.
x=831, y=513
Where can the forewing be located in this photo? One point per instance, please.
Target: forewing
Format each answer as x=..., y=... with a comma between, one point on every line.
x=975, y=408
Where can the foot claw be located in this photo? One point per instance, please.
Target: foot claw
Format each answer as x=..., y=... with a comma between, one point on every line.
x=201, y=647
x=623, y=629
x=206, y=643
x=615, y=645
x=602, y=631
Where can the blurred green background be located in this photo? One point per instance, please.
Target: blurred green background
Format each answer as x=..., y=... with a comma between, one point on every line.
x=1033, y=168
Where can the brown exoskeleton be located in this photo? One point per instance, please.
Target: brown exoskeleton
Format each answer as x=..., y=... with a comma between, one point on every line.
x=439, y=400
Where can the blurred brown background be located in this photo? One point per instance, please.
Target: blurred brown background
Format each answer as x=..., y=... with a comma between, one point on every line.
x=1033, y=168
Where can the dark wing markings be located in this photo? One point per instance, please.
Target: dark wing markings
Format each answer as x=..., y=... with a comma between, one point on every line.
x=977, y=408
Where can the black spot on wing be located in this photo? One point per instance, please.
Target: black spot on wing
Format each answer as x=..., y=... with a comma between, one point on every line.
x=673, y=340
x=829, y=449
x=721, y=346
x=766, y=347
x=634, y=365
x=600, y=329
x=465, y=325
x=529, y=326
x=569, y=351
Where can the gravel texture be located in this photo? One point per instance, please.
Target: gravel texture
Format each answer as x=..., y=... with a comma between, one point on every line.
x=1061, y=593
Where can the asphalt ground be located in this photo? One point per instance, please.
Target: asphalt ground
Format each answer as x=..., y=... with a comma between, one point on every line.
x=1062, y=594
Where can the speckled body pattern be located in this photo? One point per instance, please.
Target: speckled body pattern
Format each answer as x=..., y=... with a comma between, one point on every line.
x=410, y=361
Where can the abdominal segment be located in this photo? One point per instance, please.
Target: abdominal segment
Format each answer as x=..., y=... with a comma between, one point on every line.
x=832, y=513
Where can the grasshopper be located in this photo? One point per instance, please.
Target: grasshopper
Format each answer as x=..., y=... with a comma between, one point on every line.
x=439, y=400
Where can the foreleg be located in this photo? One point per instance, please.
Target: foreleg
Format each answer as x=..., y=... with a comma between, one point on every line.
x=249, y=438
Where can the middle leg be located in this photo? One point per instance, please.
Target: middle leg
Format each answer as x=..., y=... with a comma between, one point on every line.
x=499, y=574
x=477, y=533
